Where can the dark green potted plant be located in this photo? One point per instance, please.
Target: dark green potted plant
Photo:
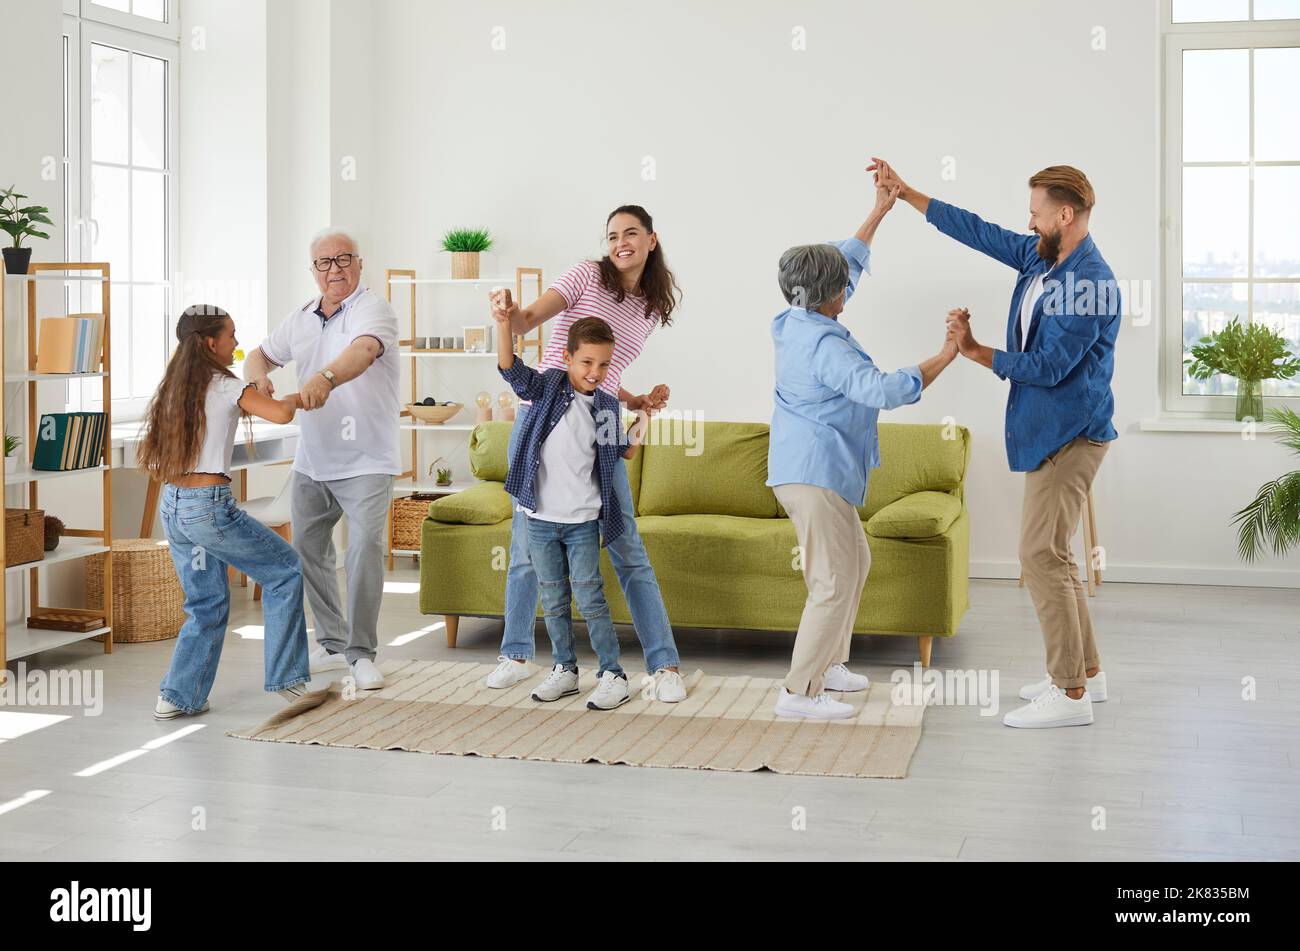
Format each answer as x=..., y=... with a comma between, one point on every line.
x=11, y=446
x=465, y=245
x=54, y=528
x=1252, y=354
x=18, y=221
x=1273, y=518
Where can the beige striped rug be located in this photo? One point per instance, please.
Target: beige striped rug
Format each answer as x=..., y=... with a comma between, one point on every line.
x=726, y=723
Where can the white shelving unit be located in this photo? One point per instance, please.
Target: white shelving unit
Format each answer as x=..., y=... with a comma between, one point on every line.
x=408, y=278
x=20, y=640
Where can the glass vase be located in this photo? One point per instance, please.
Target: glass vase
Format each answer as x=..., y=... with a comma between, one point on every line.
x=1250, y=400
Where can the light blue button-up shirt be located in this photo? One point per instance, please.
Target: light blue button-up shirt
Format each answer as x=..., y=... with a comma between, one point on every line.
x=828, y=396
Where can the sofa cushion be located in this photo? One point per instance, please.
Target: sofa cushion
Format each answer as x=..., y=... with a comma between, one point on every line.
x=488, y=457
x=916, y=458
x=919, y=515
x=483, y=504
x=722, y=474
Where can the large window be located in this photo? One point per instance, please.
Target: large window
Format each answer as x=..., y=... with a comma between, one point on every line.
x=1232, y=182
x=120, y=155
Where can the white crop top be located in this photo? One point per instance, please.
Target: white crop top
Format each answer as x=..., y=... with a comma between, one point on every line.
x=222, y=408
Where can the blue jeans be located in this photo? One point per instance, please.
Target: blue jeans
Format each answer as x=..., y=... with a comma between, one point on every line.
x=631, y=563
x=207, y=531
x=566, y=559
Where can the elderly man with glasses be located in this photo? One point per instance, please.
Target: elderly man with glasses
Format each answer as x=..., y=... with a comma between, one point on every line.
x=344, y=346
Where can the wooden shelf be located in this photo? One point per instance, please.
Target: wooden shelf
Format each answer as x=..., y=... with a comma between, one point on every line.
x=23, y=476
x=445, y=353
x=70, y=549
x=401, y=281
x=21, y=640
x=44, y=377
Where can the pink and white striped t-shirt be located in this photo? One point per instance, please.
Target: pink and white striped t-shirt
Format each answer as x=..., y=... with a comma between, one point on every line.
x=585, y=296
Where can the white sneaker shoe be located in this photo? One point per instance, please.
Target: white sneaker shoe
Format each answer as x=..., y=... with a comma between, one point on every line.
x=367, y=675
x=508, y=673
x=610, y=692
x=820, y=707
x=1052, y=708
x=669, y=687
x=839, y=678
x=1096, y=688
x=166, y=710
x=560, y=683
x=290, y=694
x=321, y=660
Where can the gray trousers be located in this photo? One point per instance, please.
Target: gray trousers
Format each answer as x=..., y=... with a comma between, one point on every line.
x=317, y=507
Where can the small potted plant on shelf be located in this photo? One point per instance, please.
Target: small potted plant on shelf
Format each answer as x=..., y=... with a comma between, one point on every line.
x=465, y=245
x=53, y=530
x=11, y=446
x=18, y=220
x=1251, y=354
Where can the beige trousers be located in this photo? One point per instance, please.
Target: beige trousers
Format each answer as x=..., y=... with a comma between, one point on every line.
x=1055, y=494
x=836, y=561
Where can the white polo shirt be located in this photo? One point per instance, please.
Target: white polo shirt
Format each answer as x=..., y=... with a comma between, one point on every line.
x=356, y=431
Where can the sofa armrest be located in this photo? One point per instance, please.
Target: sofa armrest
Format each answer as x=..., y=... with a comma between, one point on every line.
x=483, y=504
x=919, y=515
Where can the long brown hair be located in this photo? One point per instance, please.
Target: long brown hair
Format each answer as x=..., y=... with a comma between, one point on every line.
x=176, y=421
x=658, y=285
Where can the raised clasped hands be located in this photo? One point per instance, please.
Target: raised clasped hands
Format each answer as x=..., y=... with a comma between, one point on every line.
x=959, y=332
x=651, y=403
x=886, y=177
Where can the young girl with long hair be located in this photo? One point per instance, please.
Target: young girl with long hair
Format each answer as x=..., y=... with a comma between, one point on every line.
x=188, y=442
x=631, y=289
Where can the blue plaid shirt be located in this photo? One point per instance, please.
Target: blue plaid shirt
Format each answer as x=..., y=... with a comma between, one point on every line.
x=551, y=393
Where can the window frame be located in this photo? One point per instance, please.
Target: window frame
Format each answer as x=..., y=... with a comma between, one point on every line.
x=1175, y=39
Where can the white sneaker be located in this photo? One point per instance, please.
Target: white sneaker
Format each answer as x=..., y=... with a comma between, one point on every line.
x=1096, y=688
x=508, y=673
x=610, y=692
x=669, y=687
x=321, y=660
x=561, y=683
x=843, y=680
x=290, y=694
x=367, y=674
x=820, y=707
x=1052, y=708
x=166, y=710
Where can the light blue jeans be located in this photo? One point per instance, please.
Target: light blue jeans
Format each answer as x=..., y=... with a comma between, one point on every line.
x=631, y=563
x=566, y=558
x=207, y=531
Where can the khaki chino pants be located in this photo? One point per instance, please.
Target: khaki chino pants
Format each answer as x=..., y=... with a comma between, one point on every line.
x=836, y=561
x=1055, y=494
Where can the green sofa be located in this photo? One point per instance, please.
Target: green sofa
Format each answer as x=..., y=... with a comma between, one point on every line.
x=720, y=542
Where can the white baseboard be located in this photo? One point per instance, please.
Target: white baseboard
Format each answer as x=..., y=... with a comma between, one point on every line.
x=1163, y=574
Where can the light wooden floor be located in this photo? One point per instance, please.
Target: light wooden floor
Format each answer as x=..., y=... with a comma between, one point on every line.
x=1181, y=765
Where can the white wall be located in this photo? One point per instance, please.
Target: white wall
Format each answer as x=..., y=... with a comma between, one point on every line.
x=758, y=146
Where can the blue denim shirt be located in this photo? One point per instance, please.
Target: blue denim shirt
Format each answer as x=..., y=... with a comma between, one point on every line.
x=551, y=393
x=828, y=397
x=1060, y=376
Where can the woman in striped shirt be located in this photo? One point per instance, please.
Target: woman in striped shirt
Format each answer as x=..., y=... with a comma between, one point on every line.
x=632, y=290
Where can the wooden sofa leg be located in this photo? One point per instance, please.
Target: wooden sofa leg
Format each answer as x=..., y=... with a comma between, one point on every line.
x=925, y=642
x=451, y=620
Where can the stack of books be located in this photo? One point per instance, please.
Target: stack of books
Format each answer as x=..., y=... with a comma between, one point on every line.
x=70, y=344
x=69, y=441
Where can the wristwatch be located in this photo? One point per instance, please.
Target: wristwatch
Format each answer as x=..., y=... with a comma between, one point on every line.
x=329, y=375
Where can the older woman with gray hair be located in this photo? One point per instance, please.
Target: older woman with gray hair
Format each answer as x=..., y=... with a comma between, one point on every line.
x=823, y=444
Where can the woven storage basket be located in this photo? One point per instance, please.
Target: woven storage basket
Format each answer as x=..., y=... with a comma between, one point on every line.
x=409, y=513
x=25, y=536
x=148, y=602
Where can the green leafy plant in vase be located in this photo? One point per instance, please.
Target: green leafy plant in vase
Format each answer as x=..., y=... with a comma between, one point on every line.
x=1251, y=354
x=465, y=245
x=19, y=222
x=1273, y=519
x=11, y=446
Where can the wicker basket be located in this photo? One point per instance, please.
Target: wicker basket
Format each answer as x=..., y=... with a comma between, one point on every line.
x=409, y=513
x=148, y=602
x=24, y=536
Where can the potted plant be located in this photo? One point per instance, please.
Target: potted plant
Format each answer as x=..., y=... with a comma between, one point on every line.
x=1252, y=354
x=11, y=446
x=1274, y=515
x=18, y=221
x=465, y=245
x=53, y=530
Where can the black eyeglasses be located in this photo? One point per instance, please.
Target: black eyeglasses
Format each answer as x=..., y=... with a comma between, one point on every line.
x=344, y=261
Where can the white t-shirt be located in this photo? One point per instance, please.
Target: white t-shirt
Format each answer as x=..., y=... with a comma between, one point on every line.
x=356, y=431
x=567, y=488
x=221, y=410
x=1027, y=303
